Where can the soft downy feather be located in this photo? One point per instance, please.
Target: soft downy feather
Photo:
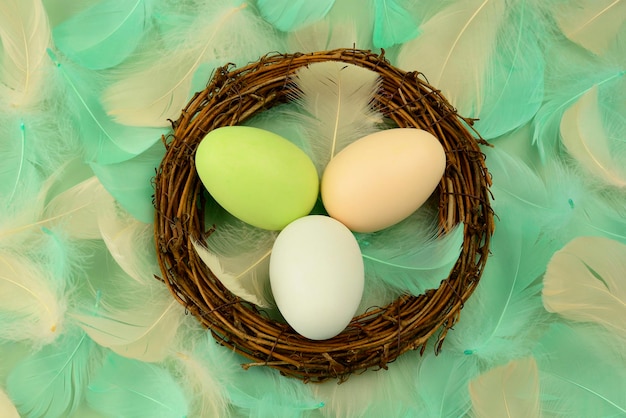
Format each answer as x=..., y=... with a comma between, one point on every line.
x=442, y=384
x=483, y=54
x=324, y=36
x=24, y=37
x=7, y=409
x=238, y=254
x=585, y=282
x=289, y=15
x=123, y=307
x=570, y=74
x=335, y=100
x=393, y=25
x=504, y=316
x=32, y=300
x=104, y=141
x=152, y=89
x=593, y=24
x=134, y=389
x=410, y=257
x=51, y=382
x=130, y=181
x=509, y=391
x=587, y=140
x=581, y=372
x=105, y=34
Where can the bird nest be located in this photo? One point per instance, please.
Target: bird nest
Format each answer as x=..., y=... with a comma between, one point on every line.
x=381, y=334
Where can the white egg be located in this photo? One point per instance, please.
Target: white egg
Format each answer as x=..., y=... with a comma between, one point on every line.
x=317, y=277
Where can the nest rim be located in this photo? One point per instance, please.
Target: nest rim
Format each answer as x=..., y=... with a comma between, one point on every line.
x=381, y=334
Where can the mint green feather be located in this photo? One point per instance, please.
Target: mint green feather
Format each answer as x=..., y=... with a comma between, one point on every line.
x=582, y=372
x=130, y=388
x=104, y=141
x=442, y=384
x=504, y=316
x=517, y=71
x=104, y=34
x=13, y=151
x=130, y=181
x=51, y=382
x=410, y=257
x=288, y=15
x=393, y=25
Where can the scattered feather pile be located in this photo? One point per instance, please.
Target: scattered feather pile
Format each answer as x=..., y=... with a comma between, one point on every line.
x=87, y=93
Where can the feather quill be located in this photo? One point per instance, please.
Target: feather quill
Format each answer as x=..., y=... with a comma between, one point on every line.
x=105, y=34
x=483, y=54
x=410, y=257
x=133, y=389
x=238, y=254
x=586, y=139
x=24, y=36
x=593, y=24
x=104, y=141
x=32, y=304
x=155, y=89
x=510, y=391
x=7, y=409
x=393, y=25
x=289, y=15
x=51, y=382
x=581, y=371
x=585, y=282
x=335, y=101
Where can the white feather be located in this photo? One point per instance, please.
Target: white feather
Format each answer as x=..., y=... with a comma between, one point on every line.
x=76, y=209
x=585, y=282
x=593, y=24
x=25, y=35
x=130, y=242
x=324, y=36
x=510, y=391
x=7, y=409
x=150, y=93
x=336, y=102
x=455, y=49
x=246, y=276
x=31, y=300
x=586, y=139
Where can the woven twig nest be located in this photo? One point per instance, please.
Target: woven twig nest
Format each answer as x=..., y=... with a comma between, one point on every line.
x=376, y=337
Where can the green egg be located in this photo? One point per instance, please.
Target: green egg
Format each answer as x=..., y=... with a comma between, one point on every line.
x=257, y=176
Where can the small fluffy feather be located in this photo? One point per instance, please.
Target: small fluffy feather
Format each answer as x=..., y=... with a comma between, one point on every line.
x=238, y=254
x=585, y=138
x=51, y=382
x=152, y=90
x=32, y=302
x=510, y=391
x=134, y=389
x=335, y=100
x=585, y=282
x=593, y=24
x=393, y=25
x=24, y=37
x=104, y=34
x=581, y=372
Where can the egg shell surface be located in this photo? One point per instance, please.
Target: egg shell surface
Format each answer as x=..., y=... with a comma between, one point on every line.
x=257, y=176
x=382, y=178
x=317, y=276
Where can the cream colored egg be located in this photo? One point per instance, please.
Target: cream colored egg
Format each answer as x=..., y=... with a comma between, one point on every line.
x=382, y=178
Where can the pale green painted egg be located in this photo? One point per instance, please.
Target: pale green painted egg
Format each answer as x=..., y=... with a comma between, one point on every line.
x=257, y=176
